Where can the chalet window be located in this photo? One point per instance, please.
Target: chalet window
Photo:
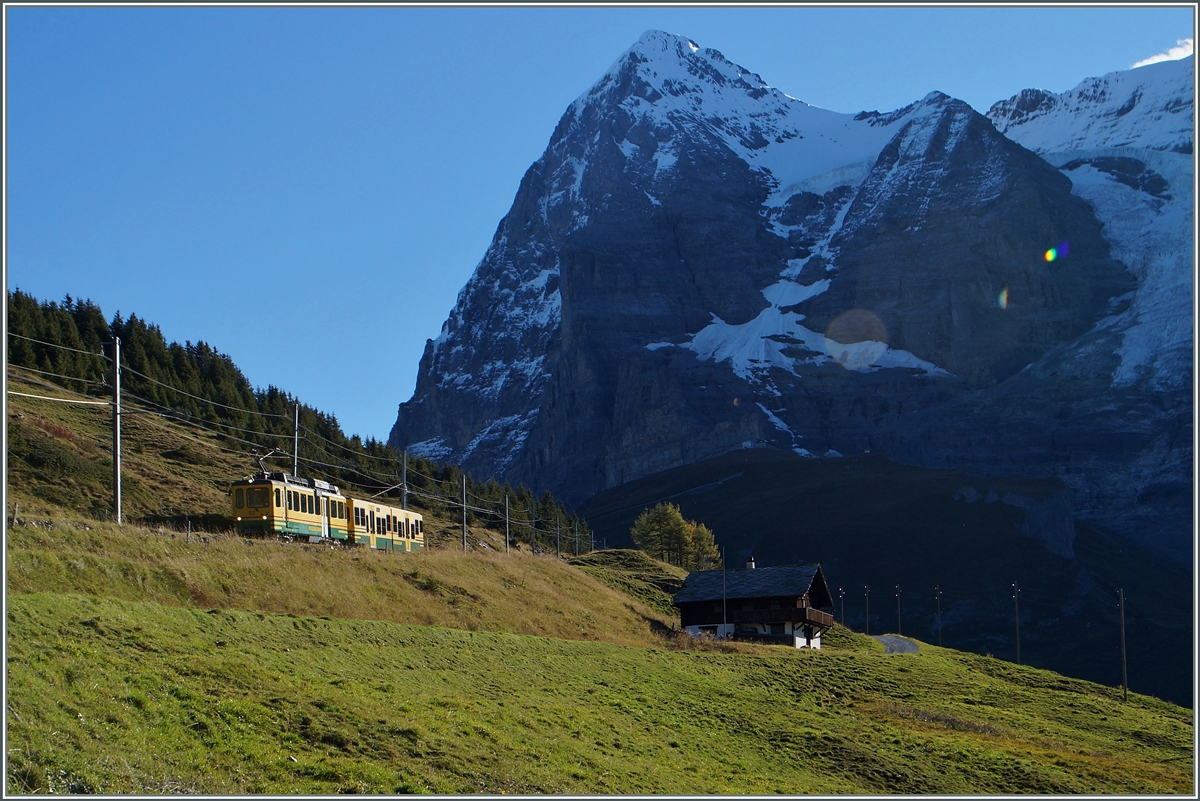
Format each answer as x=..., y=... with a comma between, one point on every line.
x=777, y=628
x=774, y=603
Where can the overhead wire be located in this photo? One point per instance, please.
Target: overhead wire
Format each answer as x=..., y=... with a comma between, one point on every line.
x=59, y=375
x=207, y=444
x=60, y=400
x=196, y=425
x=212, y=422
x=204, y=400
x=348, y=450
x=169, y=412
x=60, y=347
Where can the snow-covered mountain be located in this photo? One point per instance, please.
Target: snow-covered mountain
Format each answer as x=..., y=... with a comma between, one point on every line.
x=699, y=262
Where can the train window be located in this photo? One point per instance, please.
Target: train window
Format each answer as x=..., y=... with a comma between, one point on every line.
x=258, y=497
x=341, y=510
x=237, y=499
x=289, y=500
x=308, y=502
x=277, y=497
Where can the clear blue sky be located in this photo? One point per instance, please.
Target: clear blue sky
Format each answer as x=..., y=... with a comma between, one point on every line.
x=307, y=189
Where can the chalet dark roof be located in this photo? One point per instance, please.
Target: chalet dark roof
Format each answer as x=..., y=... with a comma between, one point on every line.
x=762, y=582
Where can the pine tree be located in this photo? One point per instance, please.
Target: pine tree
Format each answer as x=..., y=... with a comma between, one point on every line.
x=663, y=534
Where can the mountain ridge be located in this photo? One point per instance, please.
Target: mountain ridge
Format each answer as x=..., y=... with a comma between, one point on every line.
x=700, y=262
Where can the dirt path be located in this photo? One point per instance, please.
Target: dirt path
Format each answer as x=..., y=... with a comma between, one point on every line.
x=896, y=644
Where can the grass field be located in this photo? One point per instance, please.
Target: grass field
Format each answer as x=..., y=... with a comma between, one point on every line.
x=109, y=695
x=143, y=660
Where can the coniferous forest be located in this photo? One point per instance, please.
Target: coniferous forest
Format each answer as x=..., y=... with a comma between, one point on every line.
x=69, y=343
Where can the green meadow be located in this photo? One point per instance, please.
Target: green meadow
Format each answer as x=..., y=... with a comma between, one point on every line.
x=147, y=660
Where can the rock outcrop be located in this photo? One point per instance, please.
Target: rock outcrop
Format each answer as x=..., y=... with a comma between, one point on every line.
x=700, y=263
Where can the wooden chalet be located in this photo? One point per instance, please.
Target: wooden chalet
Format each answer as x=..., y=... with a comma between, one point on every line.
x=772, y=604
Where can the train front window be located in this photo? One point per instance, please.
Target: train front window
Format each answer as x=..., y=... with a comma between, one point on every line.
x=258, y=497
x=277, y=497
x=237, y=499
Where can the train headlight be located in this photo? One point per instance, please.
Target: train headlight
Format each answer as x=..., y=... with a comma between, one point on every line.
x=239, y=519
x=264, y=517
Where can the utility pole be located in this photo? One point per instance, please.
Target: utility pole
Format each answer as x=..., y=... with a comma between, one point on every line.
x=724, y=605
x=296, y=443
x=116, y=384
x=404, y=484
x=842, y=599
x=533, y=526
x=1124, y=677
x=867, y=593
x=464, y=525
x=558, y=536
x=1017, y=608
x=937, y=594
x=506, y=522
x=577, y=538
x=898, y=629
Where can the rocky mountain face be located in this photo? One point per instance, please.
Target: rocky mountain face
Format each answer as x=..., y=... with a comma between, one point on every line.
x=700, y=263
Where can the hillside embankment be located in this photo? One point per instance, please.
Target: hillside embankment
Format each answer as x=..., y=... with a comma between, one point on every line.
x=147, y=659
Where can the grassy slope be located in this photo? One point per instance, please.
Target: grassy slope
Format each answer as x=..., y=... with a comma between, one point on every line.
x=140, y=661
x=872, y=522
x=652, y=582
x=118, y=696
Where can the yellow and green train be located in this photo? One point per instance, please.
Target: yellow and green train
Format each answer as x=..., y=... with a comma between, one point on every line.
x=315, y=511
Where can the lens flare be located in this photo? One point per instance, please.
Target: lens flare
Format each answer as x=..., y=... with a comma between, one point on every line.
x=1057, y=253
x=1003, y=299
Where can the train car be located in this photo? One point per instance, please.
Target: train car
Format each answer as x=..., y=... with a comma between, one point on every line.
x=285, y=505
x=385, y=527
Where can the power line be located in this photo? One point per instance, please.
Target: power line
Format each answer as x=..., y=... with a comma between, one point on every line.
x=60, y=400
x=60, y=347
x=349, y=450
x=58, y=375
x=213, y=422
x=203, y=400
